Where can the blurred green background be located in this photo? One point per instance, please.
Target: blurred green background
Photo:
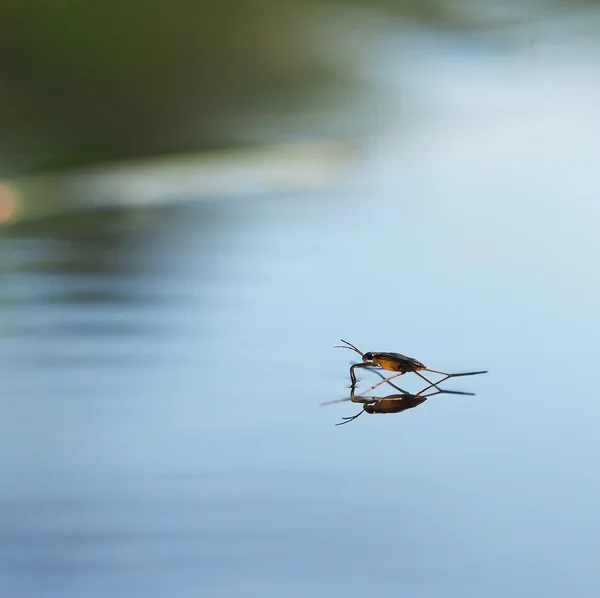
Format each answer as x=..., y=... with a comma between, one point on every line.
x=84, y=81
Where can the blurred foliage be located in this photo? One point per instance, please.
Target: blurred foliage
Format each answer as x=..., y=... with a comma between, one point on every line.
x=85, y=80
x=90, y=80
x=428, y=12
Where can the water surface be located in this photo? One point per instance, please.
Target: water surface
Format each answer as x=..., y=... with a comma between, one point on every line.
x=160, y=432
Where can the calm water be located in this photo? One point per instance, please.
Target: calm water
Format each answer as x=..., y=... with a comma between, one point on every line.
x=160, y=433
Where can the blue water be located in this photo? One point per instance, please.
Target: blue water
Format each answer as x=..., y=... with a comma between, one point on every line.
x=160, y=427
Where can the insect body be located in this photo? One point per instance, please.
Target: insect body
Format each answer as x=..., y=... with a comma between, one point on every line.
x=394, y=362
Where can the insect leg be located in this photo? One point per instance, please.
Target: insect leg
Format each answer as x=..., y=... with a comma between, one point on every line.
x=353, y=375
x=364, y=400
x=446, y=376
x=456, y=375
x=353, y=398
x=390, y=383
x=447, y=392
x=429, y=381
x=384, y=381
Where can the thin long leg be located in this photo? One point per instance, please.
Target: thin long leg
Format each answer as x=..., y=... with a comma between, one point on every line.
x=350, y=346
x=384, y=381
x=364, y=400
x=353, y=375
x=390, y=383
x=447, y=392
x=431, y=384
x=354, y=399
x=436, y=372
x=335, y=401
x=456, y=375
x=446, y=376
x=429, y=381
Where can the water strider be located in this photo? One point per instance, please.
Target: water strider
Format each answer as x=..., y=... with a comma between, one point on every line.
x=394, y=362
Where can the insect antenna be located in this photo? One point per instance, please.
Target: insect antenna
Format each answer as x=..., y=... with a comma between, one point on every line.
x=350, y=419
x=349, y=346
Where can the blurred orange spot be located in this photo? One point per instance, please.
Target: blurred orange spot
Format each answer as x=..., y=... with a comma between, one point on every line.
x=9, y=198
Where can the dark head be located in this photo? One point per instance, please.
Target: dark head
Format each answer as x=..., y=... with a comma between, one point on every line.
x=368, y=357
x=369, y=409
